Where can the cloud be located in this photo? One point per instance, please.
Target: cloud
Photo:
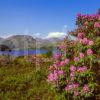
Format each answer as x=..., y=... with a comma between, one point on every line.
x=5, y=35
x=37, y=34
x=56, y=35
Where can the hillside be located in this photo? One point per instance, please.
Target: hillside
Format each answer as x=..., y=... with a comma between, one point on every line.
x=28, y=42
x=19, y=42
x=47, y=42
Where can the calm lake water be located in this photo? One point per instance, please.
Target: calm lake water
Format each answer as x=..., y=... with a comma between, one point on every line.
x=23, y=52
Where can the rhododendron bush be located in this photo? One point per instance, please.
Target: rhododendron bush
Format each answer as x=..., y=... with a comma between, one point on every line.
x=74, y=72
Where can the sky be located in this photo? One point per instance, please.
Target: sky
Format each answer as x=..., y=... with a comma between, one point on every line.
x=42, y=18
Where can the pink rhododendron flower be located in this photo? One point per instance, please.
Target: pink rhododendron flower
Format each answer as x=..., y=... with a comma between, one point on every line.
x=76, y=59
x=75, y=85
x=71, y=86
x=72, y=68
x=56, y=65
x=72, y=74
x=82, y=69
x=80, y=40
x=62, y=63
x=99, y=17
x=79, y=15
x=85, y=41
x=80, y=35
x=86, y=88
x=86, y=23
x=52, y=77
x=60, y=72
x=91, y=42
x=81, y=55
x=89, y=52
x=63, y=46
x=76, y=93
x=66, y=61
x=57, y=62
x=57, y=56
x=97, y=24
x=51, y=67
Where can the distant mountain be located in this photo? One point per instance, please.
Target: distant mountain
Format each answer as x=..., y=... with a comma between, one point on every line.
x=20, y=42
x=47, y=42
x=1, y=39
x=28, y=42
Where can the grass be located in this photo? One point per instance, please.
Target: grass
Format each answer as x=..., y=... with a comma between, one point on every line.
x=20, y=80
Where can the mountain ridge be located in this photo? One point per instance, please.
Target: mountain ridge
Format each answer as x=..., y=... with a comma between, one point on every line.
x=28, y=42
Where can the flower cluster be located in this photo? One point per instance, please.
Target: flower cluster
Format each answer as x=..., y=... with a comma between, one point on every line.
x=55, y=69
x=35, y=60
x=85, y=41
x=52, y=77
x=88, y=18
x=97, y=24
x=82, y=69
x=71, y=86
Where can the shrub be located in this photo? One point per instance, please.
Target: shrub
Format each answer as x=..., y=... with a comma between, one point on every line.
x=72, y=73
